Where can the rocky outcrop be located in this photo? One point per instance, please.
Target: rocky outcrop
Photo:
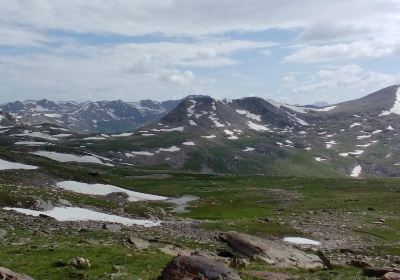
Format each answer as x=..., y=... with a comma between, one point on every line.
x=391, y=276
x=272, y=252
x=7, y=274
x=197, y=267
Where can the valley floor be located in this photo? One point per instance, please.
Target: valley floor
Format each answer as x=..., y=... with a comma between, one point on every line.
x=353, y=219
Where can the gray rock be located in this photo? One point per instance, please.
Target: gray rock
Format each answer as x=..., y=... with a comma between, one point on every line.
x=80, y=263
x=391, y=276
x=197, y=267
x=3, y=233
x=11, y=275
x=272, y=252
x=112, y=227
x=139, y=243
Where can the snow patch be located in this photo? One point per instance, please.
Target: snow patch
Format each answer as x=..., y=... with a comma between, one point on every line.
x=257, y=127
x=69, y=157
x=249, y=115
x=67, y=214
x=396, y=106
x=356, y=171
x=301, y=241
x=101, y=189
x=8, y=165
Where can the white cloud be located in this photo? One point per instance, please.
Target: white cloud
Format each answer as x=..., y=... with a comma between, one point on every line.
x=181, y=78
x=79, y=72
x=371, y=48
x=337, y=84
x=192, y=17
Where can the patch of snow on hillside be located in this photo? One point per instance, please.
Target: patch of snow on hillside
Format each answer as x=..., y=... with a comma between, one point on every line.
x=36, y=134
x=53, y=115
x=170, y=149
x=8, y=165
x=325, y=109
x=148, y=134
x=329, y=144
x=139, y=153
x=126, y=134
x=192, y=122
x=215, y=121
x=60, y=135
x=390, y=127
x=209, y=136
x=356, y=171
x=396, y=106
x=248, y=149
x=168, y=129
x=233, y=137
x=190, y=109
x=94, y=138
x=319, y=159
x=363, y=137
x=68, y=214
x=355, y=124
x=257, y=127
x=101, y=189
x=31, y=143
x=377, y=131
x=68, y=157
x=301, y=241
x=189, y=143
x=344, y=154
x=249, y=115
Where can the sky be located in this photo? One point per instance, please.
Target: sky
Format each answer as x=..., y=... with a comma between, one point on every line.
x=298, y=52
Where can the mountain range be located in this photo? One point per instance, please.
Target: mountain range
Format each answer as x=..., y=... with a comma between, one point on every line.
x=87, y=117
x=358, y=138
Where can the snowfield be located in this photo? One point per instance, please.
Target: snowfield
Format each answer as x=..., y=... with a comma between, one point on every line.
x=101, y=189
x=248, y=149
x=249, y=115
x=301, y=241
x=209, y=136
x=69, y=157
x=356, y=171
x=396, y=106
x=189, y=143
x=35, y=134
x=31, y=143
x=68, y=214
x=8, y=165
x=257, y=127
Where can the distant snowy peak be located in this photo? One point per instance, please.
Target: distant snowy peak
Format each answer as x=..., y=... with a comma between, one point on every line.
x=88, y=117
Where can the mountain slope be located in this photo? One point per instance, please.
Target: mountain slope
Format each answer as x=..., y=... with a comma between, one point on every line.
x=247, y=135
x=88, y=117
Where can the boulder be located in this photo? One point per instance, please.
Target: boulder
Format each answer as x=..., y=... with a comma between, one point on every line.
x=272, y=252
x=376, y=271
x=391, y=276
x=7, y=274
x=3, y=233
x=197, y=268
x=112, y=227
x=139, y=243
x=80, y=263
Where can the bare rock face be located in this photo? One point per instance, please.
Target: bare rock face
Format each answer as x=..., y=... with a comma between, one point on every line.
x=391, y=276
x=197, y=268
x=272, y=252
x=7, y=274
x=139, y=243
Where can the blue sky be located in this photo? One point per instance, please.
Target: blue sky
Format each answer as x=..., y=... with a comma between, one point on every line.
x=292, y=51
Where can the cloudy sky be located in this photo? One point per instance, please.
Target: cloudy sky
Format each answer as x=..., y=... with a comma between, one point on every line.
x=292, y=51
